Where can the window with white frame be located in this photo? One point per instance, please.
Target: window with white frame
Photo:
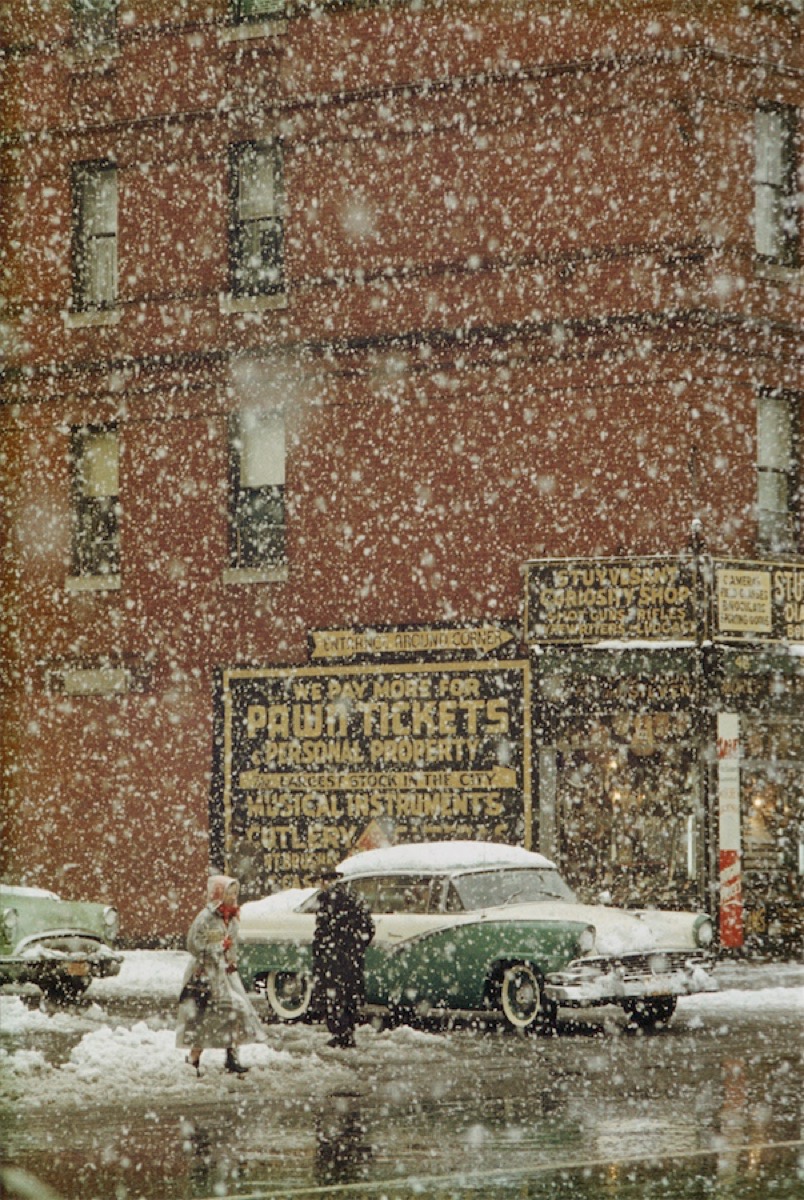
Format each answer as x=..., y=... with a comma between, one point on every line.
x=94, y=236
x=776, y=213
x=257, y=234
x=95, y=454
x=778, y=473
x=257, y=490
x=94, y=23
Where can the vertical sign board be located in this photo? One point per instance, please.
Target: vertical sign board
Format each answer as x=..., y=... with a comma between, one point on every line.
x=316, y=760
x=728, y=767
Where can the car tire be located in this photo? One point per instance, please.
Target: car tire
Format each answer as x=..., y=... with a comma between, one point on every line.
x=647, y=1014
x=65, y=991
x=521, y=998
x=401, y=1014
x=289, y=995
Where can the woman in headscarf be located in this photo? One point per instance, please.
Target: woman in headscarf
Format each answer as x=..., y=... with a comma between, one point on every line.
x=214, y=1010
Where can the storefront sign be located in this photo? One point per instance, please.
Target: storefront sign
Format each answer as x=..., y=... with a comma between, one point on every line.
x=611, y=599
x=314, y=757
x=392, y=643
x=758, y=601
x=728, y=759
x=615, y=682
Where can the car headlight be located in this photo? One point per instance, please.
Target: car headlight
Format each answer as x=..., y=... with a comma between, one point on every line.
x=112, y=921
x=704, y=932
x=10, y=921
x=586, y=940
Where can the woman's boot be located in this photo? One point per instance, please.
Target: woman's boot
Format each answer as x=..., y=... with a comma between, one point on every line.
x=233, y=1063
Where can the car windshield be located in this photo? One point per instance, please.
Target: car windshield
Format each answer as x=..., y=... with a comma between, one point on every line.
x=489, y=889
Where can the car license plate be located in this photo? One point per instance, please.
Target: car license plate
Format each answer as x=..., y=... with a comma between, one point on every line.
x=78, y=968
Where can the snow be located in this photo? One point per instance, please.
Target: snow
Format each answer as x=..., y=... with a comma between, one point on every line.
x=115, y=1061
x=441, y=856
x=32, y=892
x=286, y=901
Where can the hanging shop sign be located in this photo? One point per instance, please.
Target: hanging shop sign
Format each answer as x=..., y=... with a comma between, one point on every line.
x=314, y=761
x=611, y=599
x=758, y=601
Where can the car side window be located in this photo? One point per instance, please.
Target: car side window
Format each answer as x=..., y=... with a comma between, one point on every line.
x=417, y=895
x=391, y=895
x=453, y=902
x=365, y=890
x=402, y=893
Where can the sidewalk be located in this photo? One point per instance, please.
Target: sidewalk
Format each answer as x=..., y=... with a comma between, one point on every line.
x=752, y=975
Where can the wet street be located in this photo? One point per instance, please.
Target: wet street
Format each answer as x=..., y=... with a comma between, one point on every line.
x=708, y=1107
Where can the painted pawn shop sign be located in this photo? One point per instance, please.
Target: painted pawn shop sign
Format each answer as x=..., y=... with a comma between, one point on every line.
x=318, y=761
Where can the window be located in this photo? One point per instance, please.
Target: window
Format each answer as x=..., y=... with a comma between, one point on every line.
x=257, y=520
x=258, y=10
x=777, y=473
x=95, y=236
x=96, y=536
x=94, y=23
x=257, y=232
x=776, y=208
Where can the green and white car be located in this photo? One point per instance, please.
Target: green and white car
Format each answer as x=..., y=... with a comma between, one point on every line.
x=479, y=928
x=58, y=945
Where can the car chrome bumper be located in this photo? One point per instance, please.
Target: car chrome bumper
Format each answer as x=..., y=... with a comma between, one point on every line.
x=53, y=965
x=588, y=982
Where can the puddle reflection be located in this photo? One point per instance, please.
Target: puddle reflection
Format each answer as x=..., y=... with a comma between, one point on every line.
x=343, y=1153
x=683, y=1117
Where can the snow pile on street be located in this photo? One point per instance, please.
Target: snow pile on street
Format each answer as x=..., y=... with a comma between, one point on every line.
x=115, y=1062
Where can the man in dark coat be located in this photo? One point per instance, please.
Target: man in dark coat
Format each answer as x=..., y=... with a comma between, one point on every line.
x=343, y=930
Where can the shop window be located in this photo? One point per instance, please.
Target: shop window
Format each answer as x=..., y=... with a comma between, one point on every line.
x=772, y=803
x=257, y=233
x=776, y=206
x=96, y=533
x=94, y=23
x=257, y=490
x=626, y=810
x=94, y=236
x=258, y=10
x=777, y=474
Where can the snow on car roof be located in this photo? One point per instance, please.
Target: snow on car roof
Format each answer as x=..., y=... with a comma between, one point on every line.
x=440, y=856
x=15, y=890
x=284, y=901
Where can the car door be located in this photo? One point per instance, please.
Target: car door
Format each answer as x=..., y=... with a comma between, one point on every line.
x=403, y=908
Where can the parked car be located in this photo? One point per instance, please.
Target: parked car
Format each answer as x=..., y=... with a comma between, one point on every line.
x=59, y=945
x=481, y=928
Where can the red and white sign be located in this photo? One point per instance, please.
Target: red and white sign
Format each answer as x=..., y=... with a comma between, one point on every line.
x=728, y=774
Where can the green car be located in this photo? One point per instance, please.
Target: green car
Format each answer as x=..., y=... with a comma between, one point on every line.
x=474, y=928
x=59, y=945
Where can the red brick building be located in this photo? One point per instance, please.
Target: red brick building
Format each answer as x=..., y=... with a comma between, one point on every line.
x=330, y=320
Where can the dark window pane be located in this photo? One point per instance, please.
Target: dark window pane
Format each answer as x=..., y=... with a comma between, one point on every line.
x=259, y=527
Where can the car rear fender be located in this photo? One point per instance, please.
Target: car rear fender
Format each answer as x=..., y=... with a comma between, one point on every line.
x=255, y=961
